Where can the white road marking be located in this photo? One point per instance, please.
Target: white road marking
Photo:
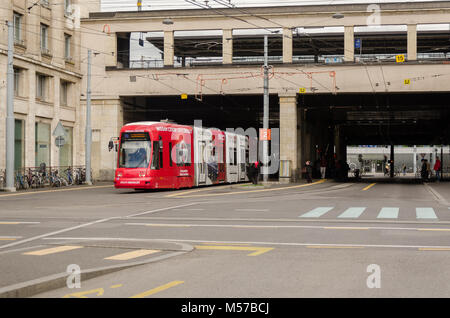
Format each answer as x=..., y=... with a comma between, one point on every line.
x=317, y=212
x=425, y=213
x=388, y=213
x=352, y=213
x=88, y=224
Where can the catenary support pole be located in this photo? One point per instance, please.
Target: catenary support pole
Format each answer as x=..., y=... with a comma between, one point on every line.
x=88, y=135
x=266, y=107
x=10, y=113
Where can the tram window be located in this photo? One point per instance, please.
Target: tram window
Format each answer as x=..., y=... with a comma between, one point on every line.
x=183, y=154
x=135, y=150
x=155, y=155
x=161, y=157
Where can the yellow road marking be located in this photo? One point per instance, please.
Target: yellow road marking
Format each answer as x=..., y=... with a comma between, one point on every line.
x=157, y=289
x=46, y=191
x=445, y=230
x=322, y=246
x=433, y=249
x=368, y=187
x=116, y=286
x=7, y=239
x=345, y=228
x=53, y=250
x=252, y=191
x=9, y=223
x=256, y=250
x=98, y=292
x=131, y=255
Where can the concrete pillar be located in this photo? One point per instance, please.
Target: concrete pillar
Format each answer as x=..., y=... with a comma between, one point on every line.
x=227, y=46
x=349, y=43
x=287, y=45
x=107, y=120
x=412, y=42
x=288, y=133
x=169, y=46
x=30, y=122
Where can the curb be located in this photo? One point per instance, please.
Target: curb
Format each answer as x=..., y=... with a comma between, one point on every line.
x=48, y=283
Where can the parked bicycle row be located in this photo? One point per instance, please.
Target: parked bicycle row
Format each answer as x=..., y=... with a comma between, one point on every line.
x=39, y=177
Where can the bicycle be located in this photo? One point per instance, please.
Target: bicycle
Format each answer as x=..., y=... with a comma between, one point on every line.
x=21, y=181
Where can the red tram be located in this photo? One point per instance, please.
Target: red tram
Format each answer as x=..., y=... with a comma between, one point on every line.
x=156, y=155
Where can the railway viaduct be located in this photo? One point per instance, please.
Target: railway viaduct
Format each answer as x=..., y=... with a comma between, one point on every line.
x=392, y=87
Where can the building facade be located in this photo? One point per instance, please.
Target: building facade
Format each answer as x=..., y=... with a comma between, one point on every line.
x=47, y=82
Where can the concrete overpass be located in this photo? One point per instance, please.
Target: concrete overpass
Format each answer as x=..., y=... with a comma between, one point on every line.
x=334, y=99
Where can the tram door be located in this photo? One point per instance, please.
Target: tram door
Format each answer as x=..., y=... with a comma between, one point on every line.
x=241, y=158
x=201, y=162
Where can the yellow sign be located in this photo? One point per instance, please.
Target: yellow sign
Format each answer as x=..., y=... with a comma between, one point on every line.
x=400, y=58
x=407, y=81
x=302, y=90
x=184, y=96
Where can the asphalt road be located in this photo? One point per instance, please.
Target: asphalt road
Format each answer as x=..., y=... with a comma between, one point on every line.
x=320, y=240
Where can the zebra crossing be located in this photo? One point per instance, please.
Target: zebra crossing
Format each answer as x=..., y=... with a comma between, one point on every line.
x=421, y=213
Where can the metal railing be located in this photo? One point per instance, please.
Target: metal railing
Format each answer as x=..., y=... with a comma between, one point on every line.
x=297, y=59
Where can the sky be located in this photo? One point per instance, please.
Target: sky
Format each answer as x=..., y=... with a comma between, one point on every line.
x=130, y=5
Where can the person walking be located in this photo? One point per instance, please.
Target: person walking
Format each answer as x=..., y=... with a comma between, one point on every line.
x=423, y=170
x=323, y=167
x=404, y=169
x=437, y=168
x=308, y=169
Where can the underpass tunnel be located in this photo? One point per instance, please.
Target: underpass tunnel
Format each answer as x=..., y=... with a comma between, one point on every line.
x=400, y=129
x=214, y=111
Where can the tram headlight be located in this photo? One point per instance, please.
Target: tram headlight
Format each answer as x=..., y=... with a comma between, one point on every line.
x=119, y=175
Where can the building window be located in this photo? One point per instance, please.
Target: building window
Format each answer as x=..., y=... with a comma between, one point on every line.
x=18, y=28
x=67, y=7
x=41, y=87
x=66, y=151
x=42, y=145
x=67, y=47
x=19, y=144
x=44, y=39
x=17, y=77
x=64, y=93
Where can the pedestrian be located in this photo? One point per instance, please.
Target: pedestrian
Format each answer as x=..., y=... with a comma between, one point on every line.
x=437, y=168
x=423, y=170
x=323, y=167
x=308, y=169
x=255, y=168
x=428, y=169
x=404, y=169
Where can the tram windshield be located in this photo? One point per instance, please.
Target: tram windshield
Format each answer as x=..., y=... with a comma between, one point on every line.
x=135, y=150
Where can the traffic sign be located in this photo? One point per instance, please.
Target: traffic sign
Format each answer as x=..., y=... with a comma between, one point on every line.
x=184, y=96
x=60, y=141
x=400, y=58
x=407, y=81
x=59, y=131
x=264, y=134
x=302, y=90
x=357, y=43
